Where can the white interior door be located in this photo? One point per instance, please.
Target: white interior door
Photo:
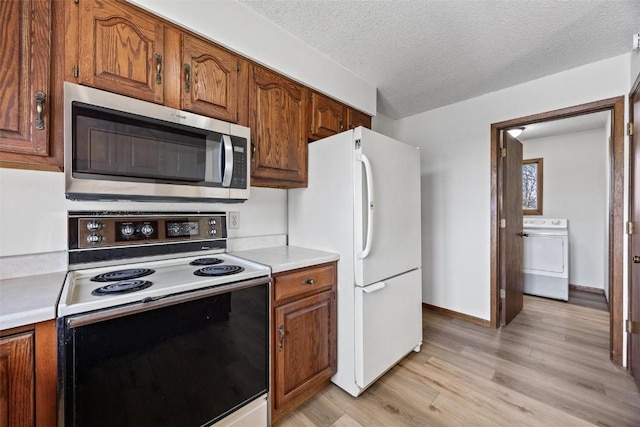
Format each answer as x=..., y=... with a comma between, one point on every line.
x=387, y=206
x=388, y=324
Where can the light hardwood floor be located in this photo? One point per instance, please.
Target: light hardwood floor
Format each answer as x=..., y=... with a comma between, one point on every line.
x=549, y=367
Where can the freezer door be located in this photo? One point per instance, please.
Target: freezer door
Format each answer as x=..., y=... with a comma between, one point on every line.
x=388, y=324
x=387, y=207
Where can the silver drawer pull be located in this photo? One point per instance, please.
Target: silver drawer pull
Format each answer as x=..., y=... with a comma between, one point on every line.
x=309, y=281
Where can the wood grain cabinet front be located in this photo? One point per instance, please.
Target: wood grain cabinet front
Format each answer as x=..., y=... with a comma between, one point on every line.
x=121, y=49
x=304, y=337
x=278, y=122
x=327, y=116
x=28, y=60
x=357, y=118
x=17, y=380
x=28, y=375
x=209, y=79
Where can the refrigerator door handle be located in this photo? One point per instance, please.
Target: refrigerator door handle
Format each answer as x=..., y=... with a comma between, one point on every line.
x=374, y=288
x=369, y=177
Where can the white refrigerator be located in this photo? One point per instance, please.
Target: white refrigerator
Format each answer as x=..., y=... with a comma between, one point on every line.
x=363, y=202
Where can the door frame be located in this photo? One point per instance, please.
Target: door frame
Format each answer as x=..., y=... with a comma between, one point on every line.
x=634, y=191
x=616, y=106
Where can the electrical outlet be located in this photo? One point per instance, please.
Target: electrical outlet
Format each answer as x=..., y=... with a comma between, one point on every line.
x=234, y=220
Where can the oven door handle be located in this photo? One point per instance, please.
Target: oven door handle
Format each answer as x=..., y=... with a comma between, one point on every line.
x=227, y=173
x=158, y=302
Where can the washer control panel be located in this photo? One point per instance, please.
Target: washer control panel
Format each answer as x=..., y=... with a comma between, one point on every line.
x=552, y=223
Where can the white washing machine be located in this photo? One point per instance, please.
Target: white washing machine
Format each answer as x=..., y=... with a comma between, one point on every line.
x=546, y=257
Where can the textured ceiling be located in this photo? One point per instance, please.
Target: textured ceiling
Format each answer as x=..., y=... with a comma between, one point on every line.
x=426, y=54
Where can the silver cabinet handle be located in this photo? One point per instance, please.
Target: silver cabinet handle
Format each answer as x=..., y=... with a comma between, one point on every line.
x=187, y=78
x=158, y=68
x=281, y=331
x=309, y=281
x=40, y=97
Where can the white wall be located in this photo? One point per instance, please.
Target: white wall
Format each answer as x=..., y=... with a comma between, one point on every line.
x=383, y=124
x=33, y=212
x=455, y=142
x=575, y=187
x=239, y=28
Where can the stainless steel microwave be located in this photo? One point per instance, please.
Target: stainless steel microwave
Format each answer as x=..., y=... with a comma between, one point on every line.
x=119, y=148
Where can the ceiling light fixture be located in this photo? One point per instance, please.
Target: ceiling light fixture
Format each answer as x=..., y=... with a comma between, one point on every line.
x=515, y=132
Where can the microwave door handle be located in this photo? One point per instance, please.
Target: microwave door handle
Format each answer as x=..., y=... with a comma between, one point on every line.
x=228, y=161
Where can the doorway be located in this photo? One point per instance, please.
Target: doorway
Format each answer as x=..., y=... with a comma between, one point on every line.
x=615, y=251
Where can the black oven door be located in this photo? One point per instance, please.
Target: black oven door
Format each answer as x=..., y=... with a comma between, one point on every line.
x=184, y=360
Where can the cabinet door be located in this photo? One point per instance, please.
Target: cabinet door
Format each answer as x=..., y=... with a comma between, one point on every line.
x=327, y=116
x=209, y=80
x=121, y=50
x=357, y=118
x=17, y=381
x=25, y=51
x=278, y=124
x=304, y=346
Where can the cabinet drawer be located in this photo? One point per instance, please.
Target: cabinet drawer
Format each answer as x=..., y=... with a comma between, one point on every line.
x=308, y=280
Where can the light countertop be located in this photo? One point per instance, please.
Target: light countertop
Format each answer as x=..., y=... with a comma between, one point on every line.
x=284, y=258
x=30, y=299
x=33, y=299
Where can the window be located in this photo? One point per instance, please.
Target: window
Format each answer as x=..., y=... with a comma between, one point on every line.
x=532, y=186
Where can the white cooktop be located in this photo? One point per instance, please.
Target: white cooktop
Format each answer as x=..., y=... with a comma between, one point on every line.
x=170, y=277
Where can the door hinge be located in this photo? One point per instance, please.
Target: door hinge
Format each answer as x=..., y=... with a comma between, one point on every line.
x=76, y=71
x=629, y=227
x=630, y=128
x=503, y=152
x=503, y=223
x=632, y=327
x=503, y=294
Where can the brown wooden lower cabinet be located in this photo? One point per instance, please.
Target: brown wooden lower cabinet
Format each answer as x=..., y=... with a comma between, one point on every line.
x=304, y=336
x=28, y=376
x=16, y=380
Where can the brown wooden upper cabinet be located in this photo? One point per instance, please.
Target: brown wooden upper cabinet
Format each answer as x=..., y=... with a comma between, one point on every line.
x=134, y=53
x=278, y=121
x=121, y=49
x=25, y=82
x=326, y=115
x=209, y=79
x=357, y=118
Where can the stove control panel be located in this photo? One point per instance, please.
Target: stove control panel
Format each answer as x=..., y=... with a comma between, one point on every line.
x=104, y=230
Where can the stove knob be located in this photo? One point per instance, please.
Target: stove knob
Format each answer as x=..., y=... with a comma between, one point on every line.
x=127, y=230
x=94, y=225
x=146, y=230
x=94, y=238
x=212, y=221
x=213, y=232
